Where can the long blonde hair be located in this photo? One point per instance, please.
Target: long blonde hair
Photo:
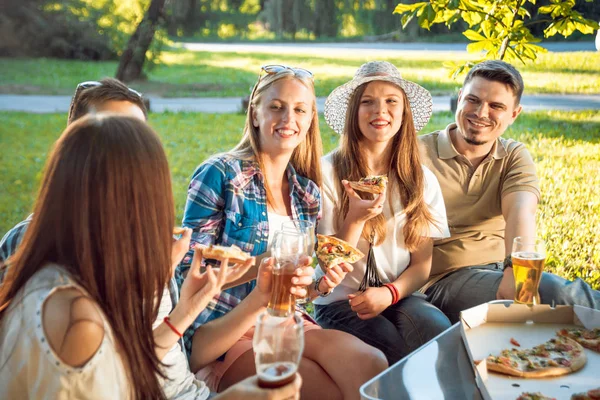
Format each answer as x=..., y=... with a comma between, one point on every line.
x=306, y=158
x=105, y=213
x=405, y=173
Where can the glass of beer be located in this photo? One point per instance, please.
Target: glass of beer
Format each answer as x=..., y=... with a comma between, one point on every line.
x=278, y=343
x=308, y=229
x=528, y=259
x=287, y=249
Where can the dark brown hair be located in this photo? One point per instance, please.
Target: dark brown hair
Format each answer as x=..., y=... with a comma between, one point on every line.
x=498, y=71
x=105, y=212
x=109, y=89
x=405, y=173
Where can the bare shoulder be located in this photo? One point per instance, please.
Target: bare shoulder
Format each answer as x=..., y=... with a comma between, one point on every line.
x=73, y=326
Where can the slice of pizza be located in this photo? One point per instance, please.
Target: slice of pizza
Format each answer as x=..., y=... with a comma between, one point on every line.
x=332, y=251
x=233, y=253
x=534, y=396
x=593, y=394
x=558, y=356
x=178, y=231
x=370, y=184
x=589, y=338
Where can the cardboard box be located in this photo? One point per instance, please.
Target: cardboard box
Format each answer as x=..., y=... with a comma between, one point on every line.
x=488, y=328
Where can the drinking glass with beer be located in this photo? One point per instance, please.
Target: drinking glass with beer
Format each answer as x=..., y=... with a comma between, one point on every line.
x=278, y=343
x=308, y=229
x=528, y=259
x=287, y=249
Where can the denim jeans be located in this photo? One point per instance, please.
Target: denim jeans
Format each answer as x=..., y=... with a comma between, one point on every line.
x=397, y=331
x=471, y=286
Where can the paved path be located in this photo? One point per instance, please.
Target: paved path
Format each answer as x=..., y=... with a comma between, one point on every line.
x=362, y=48
x=52, y=104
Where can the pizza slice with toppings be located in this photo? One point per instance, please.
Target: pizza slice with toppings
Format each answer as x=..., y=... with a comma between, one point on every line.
x=332, y=251
x=233, y=253
x=589, y=338
x=593, y=394
x=558, y=356
x=371, y=184
x=534, y=396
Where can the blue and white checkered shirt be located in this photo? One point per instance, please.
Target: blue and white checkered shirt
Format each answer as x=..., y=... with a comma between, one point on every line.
x=227, y=205
x=10, y=242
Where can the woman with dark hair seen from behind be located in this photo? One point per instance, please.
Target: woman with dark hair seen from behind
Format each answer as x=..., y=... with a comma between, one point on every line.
x=84, y=288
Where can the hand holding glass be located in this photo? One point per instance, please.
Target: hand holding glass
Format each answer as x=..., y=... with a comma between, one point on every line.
x=528, y=259
x=308, y=229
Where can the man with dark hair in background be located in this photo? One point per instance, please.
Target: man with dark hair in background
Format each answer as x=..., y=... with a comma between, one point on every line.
x=107, y=95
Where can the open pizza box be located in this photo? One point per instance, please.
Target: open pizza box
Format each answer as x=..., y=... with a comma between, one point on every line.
x=488, y=328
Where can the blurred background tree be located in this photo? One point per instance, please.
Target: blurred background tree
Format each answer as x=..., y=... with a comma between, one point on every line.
x=101, y=29
x=131, y=62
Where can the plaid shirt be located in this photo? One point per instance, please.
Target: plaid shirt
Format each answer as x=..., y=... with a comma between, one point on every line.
x=10, y=242
x=226, y=205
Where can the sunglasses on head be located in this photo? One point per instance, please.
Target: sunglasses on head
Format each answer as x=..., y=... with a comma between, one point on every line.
x=90, y=84
x=275, y=69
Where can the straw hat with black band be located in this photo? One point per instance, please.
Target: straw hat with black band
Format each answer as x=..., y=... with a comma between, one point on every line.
x=419, y=98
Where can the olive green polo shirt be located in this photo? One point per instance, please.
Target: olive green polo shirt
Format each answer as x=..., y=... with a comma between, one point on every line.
x=473, y=198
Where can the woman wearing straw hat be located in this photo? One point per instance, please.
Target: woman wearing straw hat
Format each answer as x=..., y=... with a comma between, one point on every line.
x=378, y=115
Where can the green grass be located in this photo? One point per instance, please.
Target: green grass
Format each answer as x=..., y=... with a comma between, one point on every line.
x=202, y=74
x=565, y=146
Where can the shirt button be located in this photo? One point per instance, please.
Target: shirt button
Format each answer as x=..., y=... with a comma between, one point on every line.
x=240, y=224
x=264, y=213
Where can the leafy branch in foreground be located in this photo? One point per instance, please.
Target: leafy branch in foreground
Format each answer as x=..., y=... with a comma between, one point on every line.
x=497, y=27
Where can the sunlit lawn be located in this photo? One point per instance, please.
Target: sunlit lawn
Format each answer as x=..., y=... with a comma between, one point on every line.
x=198, y=74
x=565, y=146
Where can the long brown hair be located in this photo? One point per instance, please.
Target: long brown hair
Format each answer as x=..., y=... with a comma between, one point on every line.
x=104, y=213
x=306, y=158
x=405, y=173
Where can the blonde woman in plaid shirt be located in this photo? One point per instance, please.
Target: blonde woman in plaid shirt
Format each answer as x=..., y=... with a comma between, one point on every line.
x=240, y=198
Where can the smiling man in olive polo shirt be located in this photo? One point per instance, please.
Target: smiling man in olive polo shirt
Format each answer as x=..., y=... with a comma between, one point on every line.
x=491, y=193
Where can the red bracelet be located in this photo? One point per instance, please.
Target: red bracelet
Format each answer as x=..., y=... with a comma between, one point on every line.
x=392, y=291
x=170, y=325
x=395, y=293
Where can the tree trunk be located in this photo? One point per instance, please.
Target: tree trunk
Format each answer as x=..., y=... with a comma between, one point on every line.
x=132, y=59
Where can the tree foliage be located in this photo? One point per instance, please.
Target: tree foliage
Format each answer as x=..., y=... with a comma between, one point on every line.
x=65, y=29
x=499, y=28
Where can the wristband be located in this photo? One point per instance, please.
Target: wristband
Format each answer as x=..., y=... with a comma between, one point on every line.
x=167, y=321
x=393, y=294
x=394, y=291
x=321, y=294
x=507, y=263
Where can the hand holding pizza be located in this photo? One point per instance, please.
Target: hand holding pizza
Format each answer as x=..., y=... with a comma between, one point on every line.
x=199, y=288
x=363, y=210
x=302, y=277
x=371, y=302
x=335, y=275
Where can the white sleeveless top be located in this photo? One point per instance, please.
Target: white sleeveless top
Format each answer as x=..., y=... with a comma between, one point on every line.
x=29, y=368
